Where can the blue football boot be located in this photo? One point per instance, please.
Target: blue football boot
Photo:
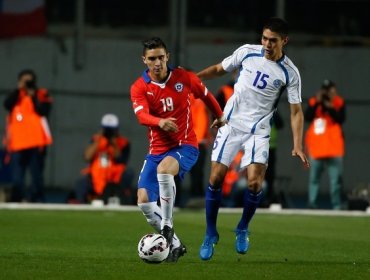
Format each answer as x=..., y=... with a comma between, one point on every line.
x=241, y=241
x=207, y=248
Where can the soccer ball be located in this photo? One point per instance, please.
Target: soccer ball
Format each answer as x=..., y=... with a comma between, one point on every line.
x=153, y=248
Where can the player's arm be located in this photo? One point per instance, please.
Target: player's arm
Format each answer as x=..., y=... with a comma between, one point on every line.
x=141, y=110
x=211, y=72
x=200, y=91
x=297, y=120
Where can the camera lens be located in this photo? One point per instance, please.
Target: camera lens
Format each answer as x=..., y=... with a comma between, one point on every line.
x=30, y=84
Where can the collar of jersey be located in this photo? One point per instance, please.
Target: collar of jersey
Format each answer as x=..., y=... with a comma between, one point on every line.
x=277, y=61
x=147, y=79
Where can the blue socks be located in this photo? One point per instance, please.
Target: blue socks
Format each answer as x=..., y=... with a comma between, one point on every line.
x=213, y=202
x=251, y=202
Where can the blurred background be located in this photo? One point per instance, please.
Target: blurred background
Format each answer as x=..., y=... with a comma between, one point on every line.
x=88, y=53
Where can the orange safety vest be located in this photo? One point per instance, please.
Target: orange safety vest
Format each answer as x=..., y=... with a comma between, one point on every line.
x=25, y=127
x=324, y=137
x=200, y=120
x=103, y=168
x=227, y=90
x=232, y=174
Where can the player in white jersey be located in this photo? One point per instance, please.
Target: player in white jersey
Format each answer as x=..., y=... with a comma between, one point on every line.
x=265, y=73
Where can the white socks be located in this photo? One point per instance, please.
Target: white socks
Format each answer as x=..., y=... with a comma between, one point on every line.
x=167, y=194
x=153, y=215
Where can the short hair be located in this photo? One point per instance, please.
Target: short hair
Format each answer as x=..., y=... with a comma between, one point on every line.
x=327, y=84
x=153, y=43
x=27, y=72
x=277, y=25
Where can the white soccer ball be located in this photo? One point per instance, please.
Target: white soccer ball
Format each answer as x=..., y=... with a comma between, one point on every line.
x=153, y=248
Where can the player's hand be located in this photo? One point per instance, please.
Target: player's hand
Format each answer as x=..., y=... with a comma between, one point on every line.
x=299, y=153
x=168, y=125
x=217, y=123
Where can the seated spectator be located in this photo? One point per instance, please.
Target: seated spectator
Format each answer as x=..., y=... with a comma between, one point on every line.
x=107, y=175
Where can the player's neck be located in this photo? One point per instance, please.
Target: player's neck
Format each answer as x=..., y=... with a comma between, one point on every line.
x=278, y=56
x=160, y=77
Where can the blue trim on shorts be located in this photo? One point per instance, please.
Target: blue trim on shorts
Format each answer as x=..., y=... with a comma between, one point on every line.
x=186, y=156
x=253, y=149
x=222, y=150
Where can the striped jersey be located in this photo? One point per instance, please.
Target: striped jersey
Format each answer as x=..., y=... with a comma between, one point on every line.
x=258, y=88
x=168, y=99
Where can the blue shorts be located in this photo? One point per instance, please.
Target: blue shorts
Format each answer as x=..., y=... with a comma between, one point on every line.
x=186, y=156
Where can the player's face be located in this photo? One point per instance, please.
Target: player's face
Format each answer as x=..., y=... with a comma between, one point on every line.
x=273, y=44
x=156, y=60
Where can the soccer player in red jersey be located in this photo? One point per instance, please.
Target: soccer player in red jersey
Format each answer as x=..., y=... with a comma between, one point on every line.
x=161, y=101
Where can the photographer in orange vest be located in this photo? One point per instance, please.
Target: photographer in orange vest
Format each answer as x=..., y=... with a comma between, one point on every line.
x=325, y=142
x=27, y=135
x=201, y=124
x=107, y=154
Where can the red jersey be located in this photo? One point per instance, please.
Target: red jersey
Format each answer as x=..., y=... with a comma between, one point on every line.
x=153, y=101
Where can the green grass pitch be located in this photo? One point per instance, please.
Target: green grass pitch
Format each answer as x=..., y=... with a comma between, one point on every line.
x=37, y=244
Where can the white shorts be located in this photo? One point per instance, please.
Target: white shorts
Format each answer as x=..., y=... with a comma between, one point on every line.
x=230, y=140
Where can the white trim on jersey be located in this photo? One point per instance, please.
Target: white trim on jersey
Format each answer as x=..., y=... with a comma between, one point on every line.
x=162, y=85
x=138, y=108
x=188, y=115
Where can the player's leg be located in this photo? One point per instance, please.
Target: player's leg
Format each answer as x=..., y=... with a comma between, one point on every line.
x=148, y=193
x=335, y=168
x=255, y=158
x=178, y=161
x=226, y=146
x=166, y=172
x=147, y=197
x=213, y=202
x=252, y=199
x=153, y=213
x=150, y=209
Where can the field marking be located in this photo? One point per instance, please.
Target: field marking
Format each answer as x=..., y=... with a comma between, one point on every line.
x=133, y=208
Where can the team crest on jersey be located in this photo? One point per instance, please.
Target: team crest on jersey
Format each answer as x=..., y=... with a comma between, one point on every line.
x=179, y=87
x=265, y=154
x=277, y=83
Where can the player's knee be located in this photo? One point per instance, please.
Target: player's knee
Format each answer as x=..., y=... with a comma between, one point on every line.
x=216, y=181
x=254, y=185
x=142, y=197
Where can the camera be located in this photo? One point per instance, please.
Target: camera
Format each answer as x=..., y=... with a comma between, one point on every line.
x=325, y=96
x=109, y=132
x=30, y=84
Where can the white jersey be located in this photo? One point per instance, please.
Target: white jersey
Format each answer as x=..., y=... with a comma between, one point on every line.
x=258, y=88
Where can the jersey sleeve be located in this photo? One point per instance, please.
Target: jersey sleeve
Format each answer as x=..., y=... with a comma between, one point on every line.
x=141, y=107
x=199, y=90
x=294, y=87
x=234, y=61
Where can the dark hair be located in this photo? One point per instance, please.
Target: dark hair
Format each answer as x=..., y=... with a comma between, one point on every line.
x=27, y=72
x=153, y=43
x=277, y=25
x=327, y=84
